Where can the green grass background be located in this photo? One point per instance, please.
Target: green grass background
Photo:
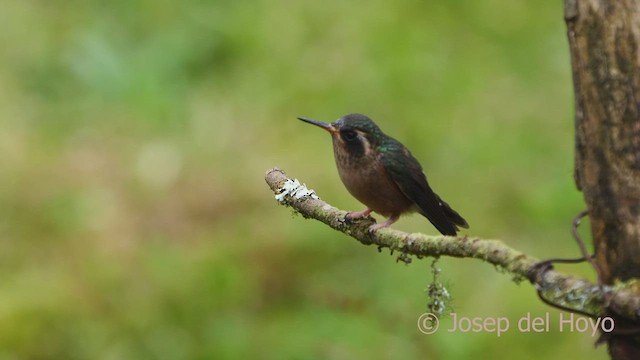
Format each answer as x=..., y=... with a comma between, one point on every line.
x=134, y=134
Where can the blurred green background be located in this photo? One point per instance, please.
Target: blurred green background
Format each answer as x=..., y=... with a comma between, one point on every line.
x=134, y=134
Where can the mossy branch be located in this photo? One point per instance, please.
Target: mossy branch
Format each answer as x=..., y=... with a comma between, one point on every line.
x=558, y=288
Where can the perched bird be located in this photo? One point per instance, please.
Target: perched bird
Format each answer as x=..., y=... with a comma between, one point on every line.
x=382, y=174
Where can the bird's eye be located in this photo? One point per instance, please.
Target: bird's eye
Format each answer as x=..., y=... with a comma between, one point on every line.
x=349, y=135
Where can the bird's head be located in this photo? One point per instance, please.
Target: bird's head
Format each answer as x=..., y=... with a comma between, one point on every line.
x=354, y=134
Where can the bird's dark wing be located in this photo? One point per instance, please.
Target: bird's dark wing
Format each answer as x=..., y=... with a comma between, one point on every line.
x=407, y=173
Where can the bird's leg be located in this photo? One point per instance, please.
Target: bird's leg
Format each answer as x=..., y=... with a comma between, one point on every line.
x=373, y=228
x=358, y=214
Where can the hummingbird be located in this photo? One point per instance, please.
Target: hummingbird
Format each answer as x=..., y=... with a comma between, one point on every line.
x=383, y=175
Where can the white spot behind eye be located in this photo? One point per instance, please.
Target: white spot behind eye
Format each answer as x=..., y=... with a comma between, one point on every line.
x=363, y=139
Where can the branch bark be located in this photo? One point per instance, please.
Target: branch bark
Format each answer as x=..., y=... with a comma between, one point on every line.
x=562, y=289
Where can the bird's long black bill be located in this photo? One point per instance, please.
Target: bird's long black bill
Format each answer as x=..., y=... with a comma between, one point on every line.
x=321, y=124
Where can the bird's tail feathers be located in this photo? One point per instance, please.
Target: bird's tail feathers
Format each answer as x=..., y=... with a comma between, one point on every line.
x=452, y=215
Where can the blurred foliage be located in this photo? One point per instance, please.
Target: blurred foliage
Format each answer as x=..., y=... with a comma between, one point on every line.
x=134, y=134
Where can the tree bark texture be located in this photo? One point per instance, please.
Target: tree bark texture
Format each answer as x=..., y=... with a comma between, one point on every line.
x=604, y=37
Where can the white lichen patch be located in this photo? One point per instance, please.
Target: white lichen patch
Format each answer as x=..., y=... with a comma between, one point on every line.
x=293, y=188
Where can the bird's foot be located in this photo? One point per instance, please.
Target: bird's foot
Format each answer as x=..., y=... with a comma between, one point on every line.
x=375, y=227
x=354, y=215
x=357, y=214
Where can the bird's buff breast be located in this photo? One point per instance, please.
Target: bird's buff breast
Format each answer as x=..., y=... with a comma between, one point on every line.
x=372, y=187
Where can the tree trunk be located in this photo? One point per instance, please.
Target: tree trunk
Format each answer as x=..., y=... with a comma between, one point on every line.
x=604, y=37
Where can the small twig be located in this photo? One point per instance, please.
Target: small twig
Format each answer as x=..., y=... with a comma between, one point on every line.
x=566, y=261
x=576, y=235
x=545, y=265
x=548, y=264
